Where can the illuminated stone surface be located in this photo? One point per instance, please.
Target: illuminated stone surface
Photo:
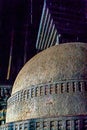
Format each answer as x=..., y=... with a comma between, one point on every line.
x=52, y=84
x=61, y=62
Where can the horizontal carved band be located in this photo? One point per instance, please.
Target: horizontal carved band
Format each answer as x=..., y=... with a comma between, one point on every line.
x=50, y=88
x=57, y=123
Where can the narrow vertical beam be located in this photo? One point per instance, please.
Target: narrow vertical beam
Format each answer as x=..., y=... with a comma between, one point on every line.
x=54, y=37
x=46, y=29
x=48, y=34
x=51, y=34
x=10, y=56
x=39, y=32
x=43, y=27
x=57, y=40
x=26, y=42
x=31, y=11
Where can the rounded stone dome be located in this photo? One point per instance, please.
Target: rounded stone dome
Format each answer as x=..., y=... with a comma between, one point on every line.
x=60, y=62
x=52, y=83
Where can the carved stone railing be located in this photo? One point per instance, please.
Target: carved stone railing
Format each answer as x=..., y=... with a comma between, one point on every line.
x=70, y=86
x=5, y=92
x=58, y=123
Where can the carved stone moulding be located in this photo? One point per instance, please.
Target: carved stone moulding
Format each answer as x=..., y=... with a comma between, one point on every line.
x=77, y=122
x=52, y=99
x=61, y=87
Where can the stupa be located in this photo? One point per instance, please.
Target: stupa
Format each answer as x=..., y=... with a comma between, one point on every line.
x=50, y=92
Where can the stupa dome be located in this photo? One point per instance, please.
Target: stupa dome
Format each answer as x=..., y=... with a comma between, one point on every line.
x=61, y=62
x=53, y=83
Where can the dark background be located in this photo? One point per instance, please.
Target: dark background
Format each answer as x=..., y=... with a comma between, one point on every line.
x=19, y=33
x=19, y=25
